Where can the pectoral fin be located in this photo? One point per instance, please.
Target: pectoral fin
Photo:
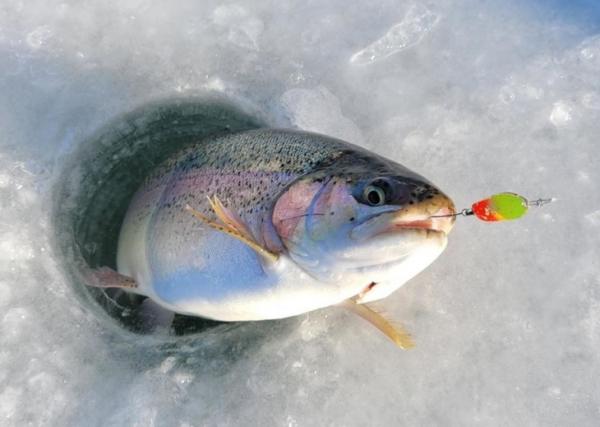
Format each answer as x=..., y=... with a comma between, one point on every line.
x=229, y=217
x=232, y=225
x=394, y=332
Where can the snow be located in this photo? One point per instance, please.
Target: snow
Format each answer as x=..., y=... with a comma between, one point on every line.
x=480, y=97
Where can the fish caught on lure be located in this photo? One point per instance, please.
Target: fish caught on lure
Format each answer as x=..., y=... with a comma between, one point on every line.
x=268, y=224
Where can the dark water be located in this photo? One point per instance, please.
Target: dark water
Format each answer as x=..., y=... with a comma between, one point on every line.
x=93, y=192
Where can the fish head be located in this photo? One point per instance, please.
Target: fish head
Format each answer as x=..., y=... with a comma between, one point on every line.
x=363, y=222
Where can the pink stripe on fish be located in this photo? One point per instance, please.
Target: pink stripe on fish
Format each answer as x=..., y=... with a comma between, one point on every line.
x=292, y=206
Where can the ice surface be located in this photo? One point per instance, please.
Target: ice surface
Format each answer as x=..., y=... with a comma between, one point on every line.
x=305, y=108
x=414, y=26
x=478, y=96
x=243, y=28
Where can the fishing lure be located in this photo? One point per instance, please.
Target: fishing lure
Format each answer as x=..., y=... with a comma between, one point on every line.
x=500, y=207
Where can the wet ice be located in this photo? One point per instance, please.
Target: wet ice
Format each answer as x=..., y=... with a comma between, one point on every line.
x=417, y=22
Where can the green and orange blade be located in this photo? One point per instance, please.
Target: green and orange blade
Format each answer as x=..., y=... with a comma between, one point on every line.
x=500, y=207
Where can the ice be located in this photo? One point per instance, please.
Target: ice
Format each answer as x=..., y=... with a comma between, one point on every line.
x=479, y=97
x=561, y=114
x=243, y=29
x=594, y=218
x=38, y=37
x=416, y=24
x=304, y=108
x=591, y=100
x=589, y=51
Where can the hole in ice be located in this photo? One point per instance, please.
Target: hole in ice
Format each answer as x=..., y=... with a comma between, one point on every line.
x=98, y=181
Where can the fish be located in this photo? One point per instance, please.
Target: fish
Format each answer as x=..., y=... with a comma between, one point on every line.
x=274, y=223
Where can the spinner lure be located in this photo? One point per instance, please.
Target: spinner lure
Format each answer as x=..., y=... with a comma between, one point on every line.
x=500, y=207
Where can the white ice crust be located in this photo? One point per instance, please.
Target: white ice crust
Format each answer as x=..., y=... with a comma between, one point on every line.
x=480, y=97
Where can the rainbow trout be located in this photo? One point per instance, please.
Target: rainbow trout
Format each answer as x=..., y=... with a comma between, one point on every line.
x=267, y=224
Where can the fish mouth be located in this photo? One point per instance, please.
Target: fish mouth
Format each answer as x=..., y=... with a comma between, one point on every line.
x=434, y=217
x=437, y=221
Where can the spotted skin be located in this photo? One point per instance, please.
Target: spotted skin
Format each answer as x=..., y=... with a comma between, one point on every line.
x=176, y=258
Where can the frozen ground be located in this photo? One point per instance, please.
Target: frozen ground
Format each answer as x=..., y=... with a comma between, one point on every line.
x=478, y=96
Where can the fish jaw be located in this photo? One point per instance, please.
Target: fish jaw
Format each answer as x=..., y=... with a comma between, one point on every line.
x=385, y=278
x=418, y=234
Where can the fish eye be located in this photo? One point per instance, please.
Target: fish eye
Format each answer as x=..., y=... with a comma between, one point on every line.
x=374, y=195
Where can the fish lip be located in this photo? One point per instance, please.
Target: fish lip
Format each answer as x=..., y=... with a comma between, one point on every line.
x=403, y=220
x=425, y=223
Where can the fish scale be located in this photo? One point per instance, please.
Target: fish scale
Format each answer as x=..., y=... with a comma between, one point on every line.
x=267, y=224
x=241, y=169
